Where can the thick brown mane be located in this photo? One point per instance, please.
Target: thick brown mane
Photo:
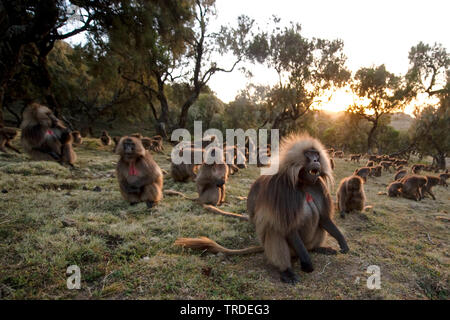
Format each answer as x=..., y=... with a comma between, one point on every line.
x=292, y=158
x=280, y=193
x=34, y=134
x=281, y=198
x=291, y=210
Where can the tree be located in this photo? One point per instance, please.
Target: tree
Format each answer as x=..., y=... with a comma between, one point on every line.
x=385, y=93
x=209, y=109
x=171, y=43
x=345, y=131
x=89, y=88
x=429, y=66
x=430, y=130
x=306, y=69
x=149, y=37
x=203, y=45
x=35, y=24
x=247, y=110
x=429, y=74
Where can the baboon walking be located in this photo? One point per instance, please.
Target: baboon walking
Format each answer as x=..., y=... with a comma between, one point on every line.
x=363, y=172
x=355, y=157
x=413, y=187
x=400, y=174
x=431, y=182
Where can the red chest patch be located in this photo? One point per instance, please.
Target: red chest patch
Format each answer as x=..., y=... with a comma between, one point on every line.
x=132, y=171
x=309, y=197
x=50, y=132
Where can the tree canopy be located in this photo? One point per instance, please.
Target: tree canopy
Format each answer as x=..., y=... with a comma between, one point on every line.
x=152, y=62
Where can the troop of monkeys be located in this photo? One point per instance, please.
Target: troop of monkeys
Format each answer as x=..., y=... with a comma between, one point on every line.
x=154, y=143
x=408, y=185
x=292, y=210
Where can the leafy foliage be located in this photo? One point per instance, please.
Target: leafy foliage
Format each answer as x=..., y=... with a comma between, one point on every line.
x=305, y=67
x=385, y=93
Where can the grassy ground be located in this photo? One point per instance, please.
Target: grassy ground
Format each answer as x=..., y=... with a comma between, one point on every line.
x=126, y=252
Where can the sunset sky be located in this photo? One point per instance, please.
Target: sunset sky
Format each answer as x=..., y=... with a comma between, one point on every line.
x=374, y=32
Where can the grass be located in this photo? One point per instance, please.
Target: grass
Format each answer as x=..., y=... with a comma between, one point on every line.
x=127, y=252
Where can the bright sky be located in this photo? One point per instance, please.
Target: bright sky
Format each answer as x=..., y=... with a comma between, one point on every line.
x=374, y=32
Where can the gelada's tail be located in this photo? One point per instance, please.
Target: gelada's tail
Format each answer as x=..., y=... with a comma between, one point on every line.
x=208, y=207
x=216, y=210
x=204, y=243
x=171, y=192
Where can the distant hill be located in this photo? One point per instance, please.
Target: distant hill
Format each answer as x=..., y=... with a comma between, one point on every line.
x=401, y=121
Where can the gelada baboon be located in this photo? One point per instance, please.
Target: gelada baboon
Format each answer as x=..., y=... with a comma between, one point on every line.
x=140, y=178
x=339, y=154
x=6, y=135
x=116, y=140
x=370, y=164
x=291, y=210
x=355, y=157
x=262, y=157
x=400, y=174
x=413, y=187
x=234, y=153
x=395, y=189
x=67, y=154
x=211, y=179
x=105, y=138
x=431, y=182
x=363, y=172
x=157, y=144
x=386, y=165
x=41, y=133
x=443, y=177
x=206, y=141
x=77, y=139
x=147, y=143
x=158, y=138
x=137, y=135
x=417, y=168
x=400, y=162
x=154, y=143
x=350, y=195
x=183, y=171
x=332, y=163
x=376, y=171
